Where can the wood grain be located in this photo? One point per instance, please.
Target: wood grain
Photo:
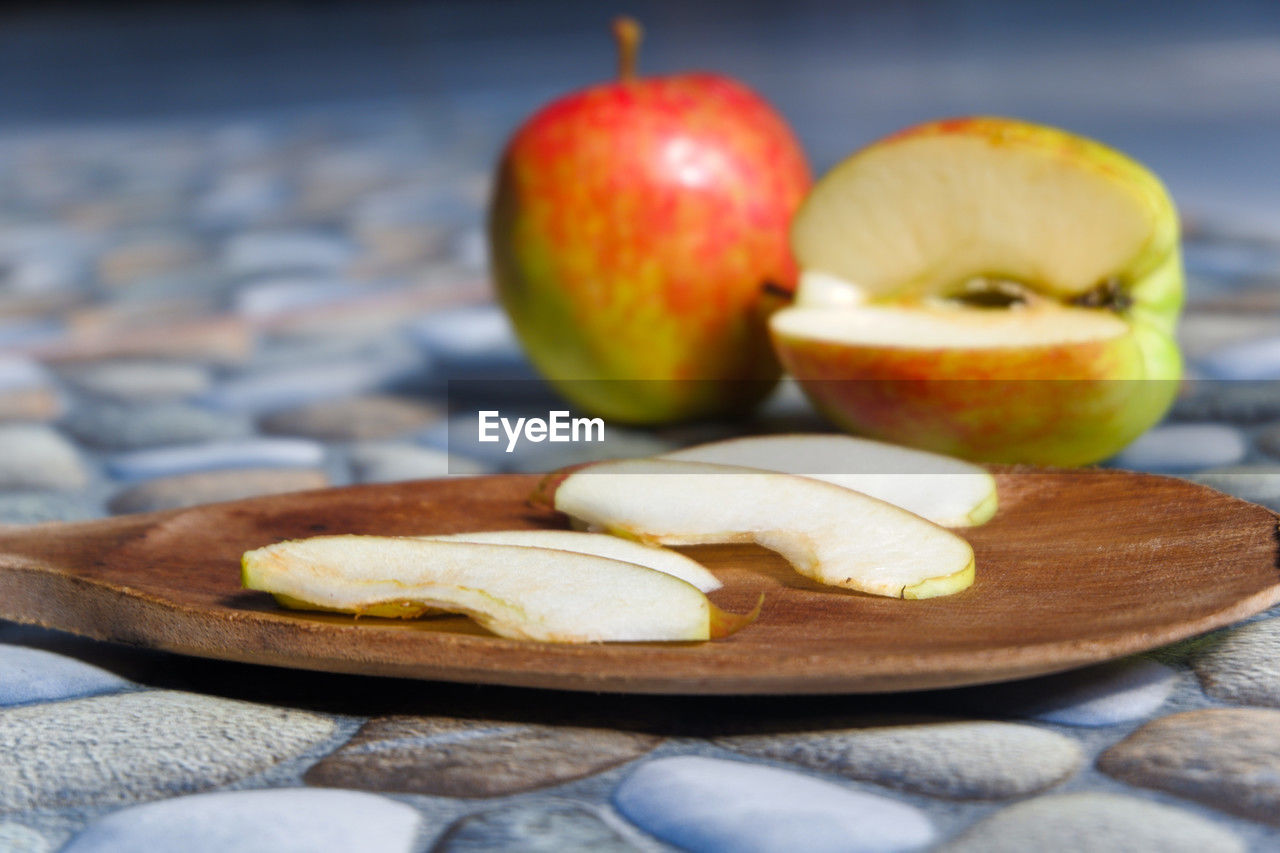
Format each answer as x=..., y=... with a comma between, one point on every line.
x=1077, y=567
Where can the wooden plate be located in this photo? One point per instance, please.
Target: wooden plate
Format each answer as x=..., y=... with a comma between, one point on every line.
x=1077, y=567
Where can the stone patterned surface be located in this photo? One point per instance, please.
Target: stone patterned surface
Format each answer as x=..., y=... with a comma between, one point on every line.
x=373, y=462
x=133, y=427
x=34, y=675
x=709, y=804
x=36, y=507
x=1257, y=359
x=138, y=380
x=184, y=285
x=216, y=456
x=1243, y=665
x=112, y=750
x=1104, y=695
x=1227, y=758
x=458, y=758
x=1185, y=447
x=1256, y=483
x=186, y=490
x=1095, y=822
x=956, y=758
x=536, y=829
x=1269, y=440
x=1223, y=400
x=16, y=838
x=281, y=821
x=298, y=386
x=359, y=418
x=37, y=457
x=36, y=405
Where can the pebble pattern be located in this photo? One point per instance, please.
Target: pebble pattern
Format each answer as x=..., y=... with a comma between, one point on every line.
x=1098, y=823
x=388, y=463
x=1223, y=400
x=456, y=758
x=16, y=838
x=1184, y=447
x=1226, y=758
x=139, y=381
x=35, y=675
x=184, y=490
x=361, y=418
x=1243, y=665
x=216, y=456
x=17, y=373
x=1105, y=695
x=468, y=337
x=125, y=427
x=37, y=457
x=176, y=293
x=37, y=405
x=1256, y=483
x=281, y=821
x=36, y=507
x=536, y=829
x=710, y=804
x=1253, y=359
x=297, y=386
x=1269, y=440
x=955, y=759
x=113, y=750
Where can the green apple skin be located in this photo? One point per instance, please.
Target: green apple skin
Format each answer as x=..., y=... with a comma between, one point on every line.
x=632, y=227
x=1062, y=404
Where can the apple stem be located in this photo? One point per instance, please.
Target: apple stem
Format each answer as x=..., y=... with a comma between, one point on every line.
x=628, y=33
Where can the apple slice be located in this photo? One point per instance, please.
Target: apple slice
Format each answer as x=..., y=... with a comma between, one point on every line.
x=828, y=533
x=514, y=591
x=944, y=490
x=599, y=544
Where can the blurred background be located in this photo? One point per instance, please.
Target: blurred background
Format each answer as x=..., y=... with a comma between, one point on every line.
x=244, y=240
x=1191, y=88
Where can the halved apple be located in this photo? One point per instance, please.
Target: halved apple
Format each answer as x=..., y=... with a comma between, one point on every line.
x=514, y=591
x=599, y=544
x=988, y=288
x=828, y=533
x=940, y=488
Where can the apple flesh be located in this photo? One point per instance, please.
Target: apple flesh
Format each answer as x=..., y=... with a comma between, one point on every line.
x=991, y=289
x=658, y=559
x=514, y=591
x=939, y=488
x=827, y=533
x=631, y=229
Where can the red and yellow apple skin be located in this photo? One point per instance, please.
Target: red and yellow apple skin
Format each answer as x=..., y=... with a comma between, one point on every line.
x=1064, y=403
x=632, y=227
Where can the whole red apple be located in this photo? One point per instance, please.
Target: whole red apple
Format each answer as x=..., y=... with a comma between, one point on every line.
x=633, y=228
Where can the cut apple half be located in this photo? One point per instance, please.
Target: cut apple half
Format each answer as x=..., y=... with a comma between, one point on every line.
x=830, y=534
x=987, y=250
x=599, y=544
x=515, y=591
x=944, y=490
